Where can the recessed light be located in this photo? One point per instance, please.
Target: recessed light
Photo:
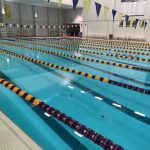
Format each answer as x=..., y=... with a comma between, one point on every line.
x=46, y=114
x=78, y=134
x=71, y=87
x=117, y=105
x=99, y=98
x=140, y=114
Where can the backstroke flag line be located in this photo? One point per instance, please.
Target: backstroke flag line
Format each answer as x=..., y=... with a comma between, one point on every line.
x=126, y=18
x=120, y=15
x=75, y=2
x=145, y=24
x=140, y=23
x=106, y=10
x=59, y=2
x=98, y=8
x=7, y=11
x=131, y=22
x=87, y=4
x=114, y=14
x=136, y=22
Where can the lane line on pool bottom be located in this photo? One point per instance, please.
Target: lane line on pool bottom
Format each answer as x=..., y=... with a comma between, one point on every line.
x=88, y=75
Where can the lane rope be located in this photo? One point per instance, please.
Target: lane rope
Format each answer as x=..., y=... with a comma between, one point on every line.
x=93, y=47
x=85, y=74
x=127, y=46
x=95, y=53
x=82, y=58
x=98, y=47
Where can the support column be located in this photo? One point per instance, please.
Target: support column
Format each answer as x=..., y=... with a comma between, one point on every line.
x=2, y=19
x=113, y=24
x=2, y=13
x=20, y=19
x=48, y=21
x=59, y=20
x=35, y=17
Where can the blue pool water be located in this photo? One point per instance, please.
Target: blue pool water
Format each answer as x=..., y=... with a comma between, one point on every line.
x=77, y=97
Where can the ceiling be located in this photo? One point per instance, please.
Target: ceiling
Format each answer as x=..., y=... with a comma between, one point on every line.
x=66, y=4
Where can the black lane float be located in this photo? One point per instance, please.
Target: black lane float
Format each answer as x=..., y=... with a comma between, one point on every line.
x=85, y=74
x=82, y=58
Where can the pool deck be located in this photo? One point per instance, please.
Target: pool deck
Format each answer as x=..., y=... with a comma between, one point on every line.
x=12, y=137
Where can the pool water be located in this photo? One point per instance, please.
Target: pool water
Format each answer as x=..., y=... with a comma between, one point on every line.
x=88, y=101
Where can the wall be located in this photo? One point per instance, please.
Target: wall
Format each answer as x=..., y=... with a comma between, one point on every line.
x=72, y=16
x=24, y=14
x=103, y=26
x=131, y=32
x=90, y=25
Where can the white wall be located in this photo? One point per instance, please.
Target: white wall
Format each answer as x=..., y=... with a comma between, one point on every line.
x=131, y=32
x=92, y=25
x=101, y=27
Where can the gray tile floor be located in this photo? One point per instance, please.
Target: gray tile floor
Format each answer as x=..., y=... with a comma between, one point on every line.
x=13, y=138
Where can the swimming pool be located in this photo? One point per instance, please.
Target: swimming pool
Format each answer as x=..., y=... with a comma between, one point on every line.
x=118, y=113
